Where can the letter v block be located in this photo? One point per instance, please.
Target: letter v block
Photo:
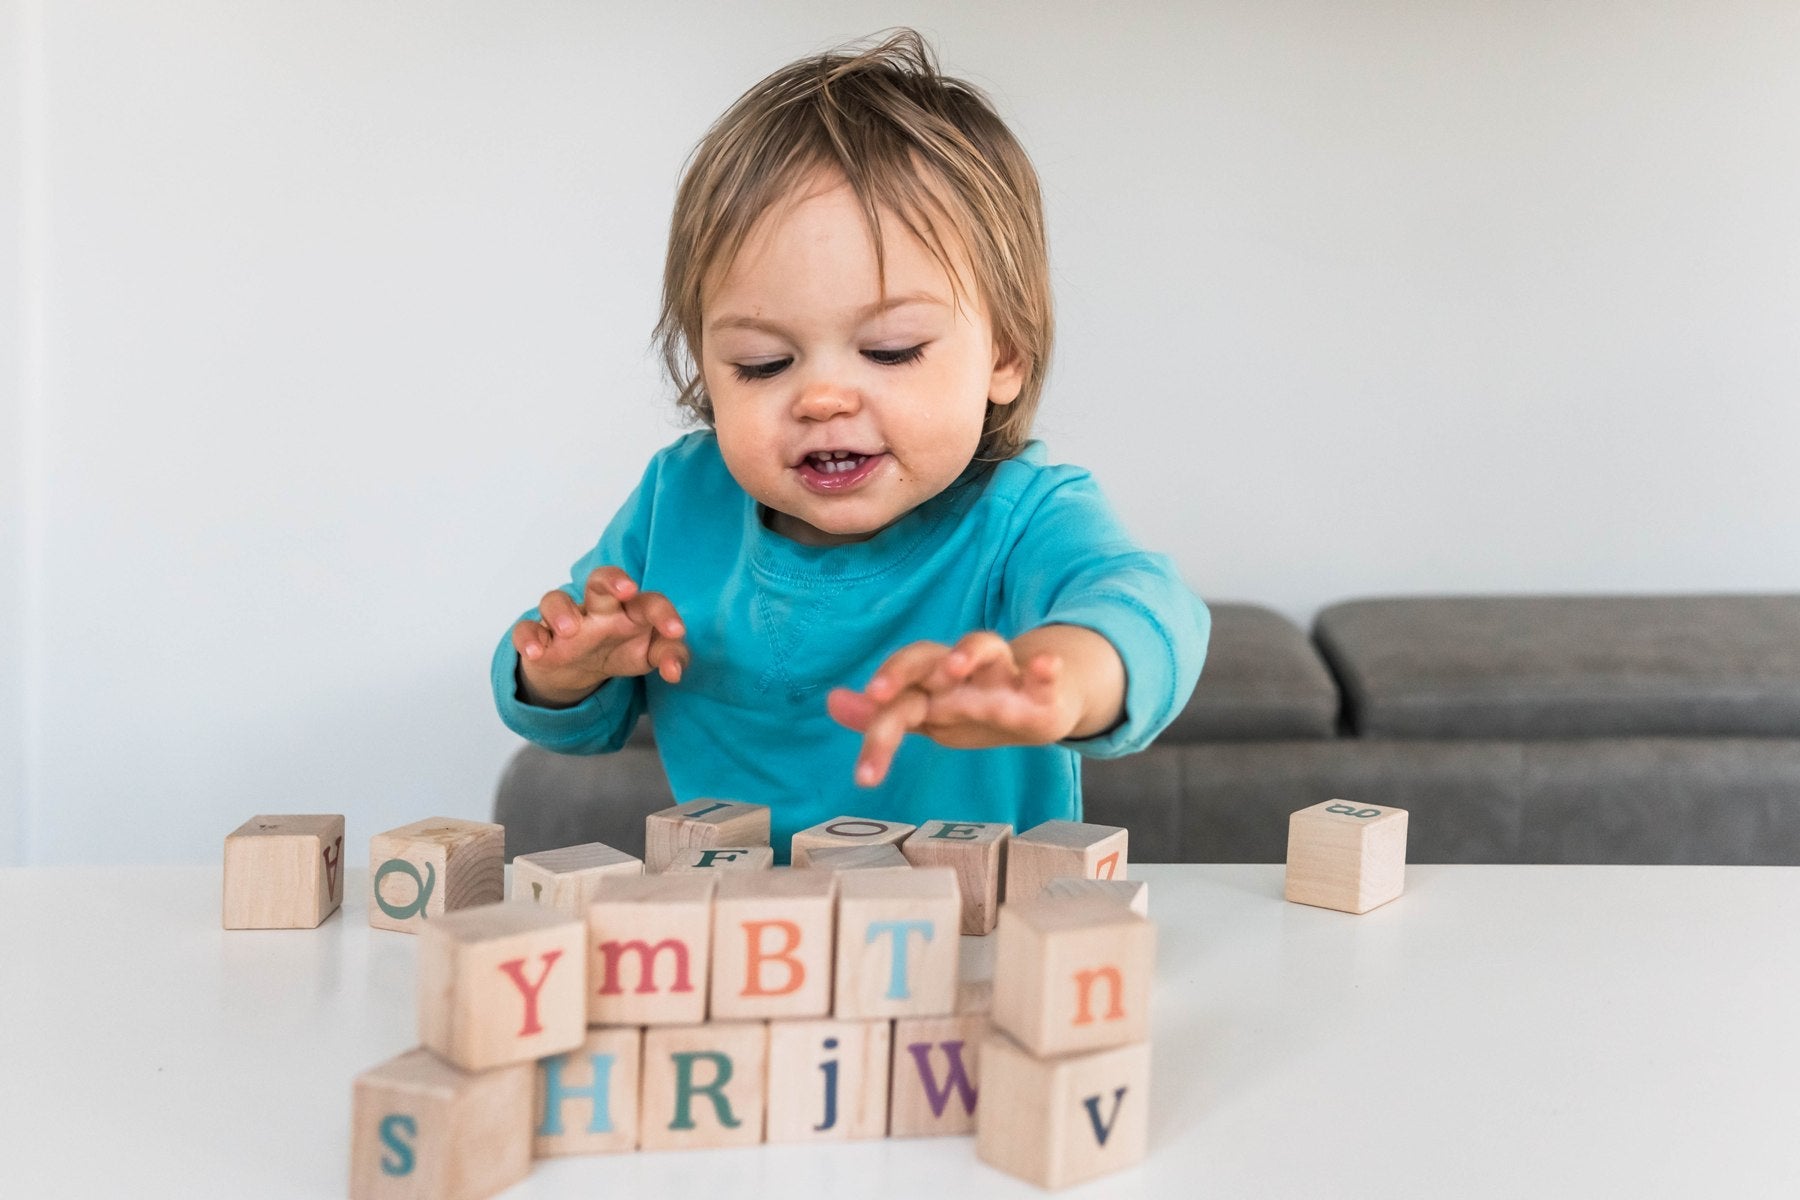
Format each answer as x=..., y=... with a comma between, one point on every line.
x=936, y=1065
x=284, y=872
x=898, y=943
x=1055, y=848
x=587, y=1099
x=1061, y=1121
x=649, y=949
x=567, y=879
x=421, y=871
x=702, y=825
x=420, y=1127
x=772, y=944
x=978, y=852
x=1073, y=974
x=828, y=1080
x=704, y=1085
x=502, y=983
x=1351, y=857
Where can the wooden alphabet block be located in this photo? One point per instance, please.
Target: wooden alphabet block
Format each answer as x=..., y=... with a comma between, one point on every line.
x=1058, y=848
x=420, y=1127
x=723, y=858
x=772, y=944
x=844, y=832
x=884, y=857
x=897, y=943
x=978, y=854
x=1351, y=857
x=704, y=1085
x=284, y=872
x=1073, y=975
x=421, y=871
x=587, y=1099
x=702, y=824
x=1061, y=1121
x=567, y=879
x=502, y=983
x=936, y=1065
x=650, y=949
x=1132, y=893
x=828, y=1080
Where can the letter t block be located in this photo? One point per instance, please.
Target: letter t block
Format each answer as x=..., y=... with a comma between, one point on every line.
x=1351, y=857
x=898, y=945
x=502, y=983
x=420, y=1127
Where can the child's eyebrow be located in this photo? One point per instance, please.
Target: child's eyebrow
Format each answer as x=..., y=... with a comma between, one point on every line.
x=873, y=310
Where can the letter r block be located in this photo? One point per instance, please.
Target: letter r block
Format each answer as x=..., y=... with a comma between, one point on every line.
x=1347, y=856
x=421, y=871
x=650, y=949
x=898, y=943
x=704, y=1085
x=1073, y=975
x=502, y=983
x=772, y=944
x=284, y=872
x=1061, y=1121
x=700, y=825
x=1055, y=848
x=420, y=1127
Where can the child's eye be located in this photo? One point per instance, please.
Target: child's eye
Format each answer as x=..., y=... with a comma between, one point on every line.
x=753, y=372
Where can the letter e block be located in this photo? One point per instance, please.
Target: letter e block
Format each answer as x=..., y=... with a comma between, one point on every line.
x=1061, y=1121
x=431, y=867
x=567, y=879
x=723, y=858
x=897, y=943
x=977, y=852
x=649, y=949
x=828, y=1080
x=1351, y=857
x=502, y=983
x=843, y=833
x=936, y=1065
x=1073, y=975
x=421, y=1128
x=1055, y=848
x=772, y=944
x=704, y=1085
x=587, y=1099
x=284, y=872
x=701, y=825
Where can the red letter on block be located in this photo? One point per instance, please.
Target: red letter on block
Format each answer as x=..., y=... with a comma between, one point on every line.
x=515, y=970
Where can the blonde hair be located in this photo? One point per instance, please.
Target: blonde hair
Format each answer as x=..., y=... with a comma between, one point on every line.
x=886, y=120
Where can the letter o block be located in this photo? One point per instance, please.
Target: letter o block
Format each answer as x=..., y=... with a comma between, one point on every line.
x=1073, y=975
x=843, y=833
x=1351, y=857
x=502, y=983
x=1061, y=1121
x=421, y=1128
x=424, y=870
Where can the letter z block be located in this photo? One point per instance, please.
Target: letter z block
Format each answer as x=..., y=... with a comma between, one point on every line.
x=897, y=943
x=1072, y=975
x=1061, y=1121
x=704, y=1085
x=843, y=833
x=284, y=872
x=587, y=1099
x=701, y=825
x=424, y=870
x=828, y=1080
x=1351, y=857
x=1055, y=848
x=567, y=879
x=649, y=949
x=421, y=1128
x=502, y=983
x=772, y=944
x=977, y=852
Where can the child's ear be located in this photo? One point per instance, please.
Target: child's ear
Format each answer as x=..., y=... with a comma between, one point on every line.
x=1008, y=378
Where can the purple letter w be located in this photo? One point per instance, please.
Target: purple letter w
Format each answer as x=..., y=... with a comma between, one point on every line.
x=956, y=1077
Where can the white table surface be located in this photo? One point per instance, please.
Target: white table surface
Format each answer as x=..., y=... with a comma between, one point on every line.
x=1497, y=1031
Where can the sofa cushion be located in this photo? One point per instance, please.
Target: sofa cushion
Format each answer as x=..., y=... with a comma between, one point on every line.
x=1567, y=666
x=1263, y=681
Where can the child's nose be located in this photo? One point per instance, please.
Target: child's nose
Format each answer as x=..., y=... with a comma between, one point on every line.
x=820, y=399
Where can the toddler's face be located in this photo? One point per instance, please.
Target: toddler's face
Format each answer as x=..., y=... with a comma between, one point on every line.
x=839, y=417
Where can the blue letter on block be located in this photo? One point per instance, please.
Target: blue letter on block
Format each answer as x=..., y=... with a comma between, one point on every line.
x=555, y=1092
x=897, y=989
x=392, y=1126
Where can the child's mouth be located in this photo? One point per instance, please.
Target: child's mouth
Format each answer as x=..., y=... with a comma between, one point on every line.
x=838, y=470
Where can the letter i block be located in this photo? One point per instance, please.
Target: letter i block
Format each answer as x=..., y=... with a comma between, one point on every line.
x=502, y=983
x=978, y=852
x=828, y=1080
x=284, y=872
x=567, y=879
x=587, y=1099
x=421, y=1128
x=936, y=1065
x=701, y=825
x=772, y=944
x=1073, y=974
x=1058, y=848
x=703, y=1085
x=1350, y=857
x=422, y=871
x=723, y=858
x=649, y=947
x=1061, y=1121
x=897, y=943
x=844, y=832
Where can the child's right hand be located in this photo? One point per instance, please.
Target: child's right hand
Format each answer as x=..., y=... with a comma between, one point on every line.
x=616, y=630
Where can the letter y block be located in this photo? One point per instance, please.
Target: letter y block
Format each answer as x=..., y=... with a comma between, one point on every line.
x=502, y=983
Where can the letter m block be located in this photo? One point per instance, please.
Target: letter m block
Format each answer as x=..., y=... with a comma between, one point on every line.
x=649, y=949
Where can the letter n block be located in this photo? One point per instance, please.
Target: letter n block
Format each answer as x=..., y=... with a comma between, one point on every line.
x=828, y=1080
x=1351, y=857
x=977, y=852
x=502, y=983
x=422, y=871
x=1061, y=1121
x=567, y=879
x=772, y=944
x=1073, y=975
x=587, y=1099
x=704, y=1085
x=723, y=858
x=284, y=872
x=1055, y=848
x=898, y=943
x=649, y=949
x=936, y=1067
x=845, y=832
x=701, y=825
x=420, y=1127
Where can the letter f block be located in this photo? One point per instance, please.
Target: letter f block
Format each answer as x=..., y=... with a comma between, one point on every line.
x=649, y=949
x=1073, y=975
x=898, y=943
x=421, y=871
x=772, y=944
x=420, y=1127
x=701, y=825
x=502, y=983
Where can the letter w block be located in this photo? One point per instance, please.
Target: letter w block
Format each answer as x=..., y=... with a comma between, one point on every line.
x=650, y=948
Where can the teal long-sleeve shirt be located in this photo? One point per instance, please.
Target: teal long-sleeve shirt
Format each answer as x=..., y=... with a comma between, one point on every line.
x=774, y=625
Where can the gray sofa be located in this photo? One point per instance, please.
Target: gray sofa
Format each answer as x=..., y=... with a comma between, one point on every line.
x=1550, y=729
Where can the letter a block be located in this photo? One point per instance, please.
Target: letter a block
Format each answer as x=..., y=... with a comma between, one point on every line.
x=841, y=833
x=1058, y=848
x=649, y=949
x=1351, y=857
x=1073, y=975
x=502, y=983
x=772, y=944
x=424, y=870
x=723, y=858
x=703, y=1085
x=567, y=879
x=1061, y=1121
x=284, y=872
x=421, y=1128
x=936, y=1065
x=828, y=1080
x=587, y=1099
x=702, y=825
x=897, y=943
x=977, y=852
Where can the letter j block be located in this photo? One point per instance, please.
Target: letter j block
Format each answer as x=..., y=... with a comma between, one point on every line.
x=421, y=871
x=421, y=1128
x=1351, y=857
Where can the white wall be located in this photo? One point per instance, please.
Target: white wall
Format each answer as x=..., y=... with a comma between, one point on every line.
x=345, y=310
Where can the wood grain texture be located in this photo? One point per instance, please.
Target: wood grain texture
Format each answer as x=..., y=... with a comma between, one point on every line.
x=283, y=872
x=587, y=1099
x=649, y=948
x=1058, y=848
x=502, y=983
x=898, y=945
x=844, y=832
x=828, y=1080
x=423, y=1130
x=566, y=879
x=702, y=824
x=704, y=1085
x=977, y=852
x=1073, y=975
x=1061, y=1121
x=431, y=867
x=1346, y=856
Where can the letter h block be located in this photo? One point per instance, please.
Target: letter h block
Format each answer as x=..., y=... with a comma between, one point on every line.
x=502, y=983
x=421, y=871
x=1350, y=857
x=587, y=1099
x=898, y=945
x=978, y=852
x=772, y=944
x=702, y=825
x=649, y=949
x=420, y=1127
x=1073, y=975
x=284, y=872
x=1061, y=1121
x=1055, y=848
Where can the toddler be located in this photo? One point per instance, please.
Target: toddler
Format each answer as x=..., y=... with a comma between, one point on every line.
x=856, y=307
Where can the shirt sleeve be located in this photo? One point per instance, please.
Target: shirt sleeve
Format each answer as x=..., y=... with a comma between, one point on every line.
x=601, y=723
x=1075, y=564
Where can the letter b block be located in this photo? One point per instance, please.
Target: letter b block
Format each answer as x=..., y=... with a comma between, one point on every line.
x=649, y=949
x=1073, y=975
x=502, y=983
x=898, y=944
x=421, y=871
x=772, y=944
x=421, y=1128
x=284, y=872
x=1061, y=1121
x=1351, y=857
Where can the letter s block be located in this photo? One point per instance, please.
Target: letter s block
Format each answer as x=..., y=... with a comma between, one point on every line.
x=1072, y=975
x=421, y=871
x=1347, y=856
x=772, y=944
x=284, y=872
x=420, y=1127
x=649, y=948
x=502, y=983
x=898, y=943
x=1061, y=1121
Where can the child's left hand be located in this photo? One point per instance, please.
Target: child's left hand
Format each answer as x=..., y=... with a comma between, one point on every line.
x=972, y=695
